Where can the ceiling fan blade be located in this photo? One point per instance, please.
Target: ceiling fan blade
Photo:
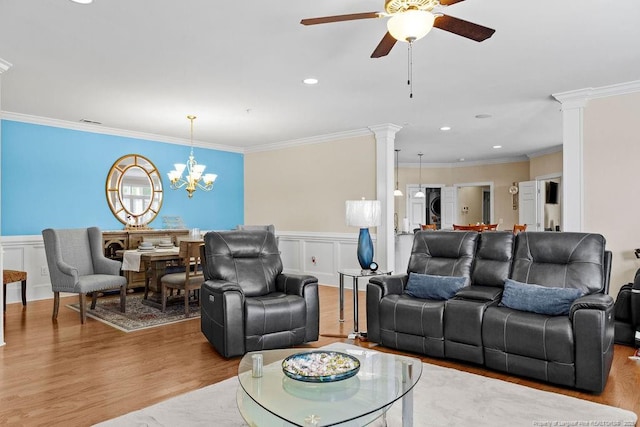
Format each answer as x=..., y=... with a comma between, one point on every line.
x=449, y=2
x=384, y=47
x=339, y=18
x=463, y=28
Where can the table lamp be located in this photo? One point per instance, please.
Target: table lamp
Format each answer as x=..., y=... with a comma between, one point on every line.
x=363, y=214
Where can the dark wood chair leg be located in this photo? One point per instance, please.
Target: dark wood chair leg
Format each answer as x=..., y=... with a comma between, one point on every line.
x=83, y=309
x=94, y=300
x=123, y=298
x=24, y=292
x=163, y=294
x=186, y=303
x=4, y=294
x=56, y=305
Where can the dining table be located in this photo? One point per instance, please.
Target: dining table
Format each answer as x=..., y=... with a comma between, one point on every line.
x=153, y=262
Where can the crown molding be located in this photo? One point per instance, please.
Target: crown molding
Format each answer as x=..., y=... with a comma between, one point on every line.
x=579, y=98
x=4, y=65
x=357, y=133
x=93, y=128
x=545, y=151
x=465, y=164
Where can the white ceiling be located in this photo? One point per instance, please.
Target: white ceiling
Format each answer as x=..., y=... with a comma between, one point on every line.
x=143, y=65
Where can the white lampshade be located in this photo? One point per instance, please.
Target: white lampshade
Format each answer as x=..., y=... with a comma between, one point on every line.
x=198, y=169
x=363, y=213
x=419, y=195
x=410, y=25
x=173, y=175
x=180, y=167
x=397, y=193
x=209, y=178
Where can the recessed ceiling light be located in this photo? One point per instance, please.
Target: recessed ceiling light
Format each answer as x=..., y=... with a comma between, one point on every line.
x=497, y=146
x=445, y=128
x=461, y=159
x=483, y=116
x=310, y=81
x=82, y=1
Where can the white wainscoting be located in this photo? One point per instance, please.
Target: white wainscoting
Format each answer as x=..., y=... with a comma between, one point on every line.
x=331, y=252
x=26, y=253
x=319, y=254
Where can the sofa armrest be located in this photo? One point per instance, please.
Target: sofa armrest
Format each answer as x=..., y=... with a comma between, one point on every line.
x=592, y=302
x=222, y=286
x=377, y=288
x=390, y=285
x=222, y=316
x=294, y=284
x=305, y=286
x=593, y=330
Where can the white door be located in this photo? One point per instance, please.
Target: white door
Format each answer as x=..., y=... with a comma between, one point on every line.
x=417, y=209
x=448, y=207
x=529, y=205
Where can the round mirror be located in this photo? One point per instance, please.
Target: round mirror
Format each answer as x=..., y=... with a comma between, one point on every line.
x=134, y=190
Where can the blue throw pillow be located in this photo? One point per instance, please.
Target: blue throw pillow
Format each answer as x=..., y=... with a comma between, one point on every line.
x=539, y=299
x=427, y=286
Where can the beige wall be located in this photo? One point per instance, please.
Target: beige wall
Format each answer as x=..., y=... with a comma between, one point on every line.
x=611, y=190
x=548, y=164
x=470, y=197
x=304, y=188
x=502, y=175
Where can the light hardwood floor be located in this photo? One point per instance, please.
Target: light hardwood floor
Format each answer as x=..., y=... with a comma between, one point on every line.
x=69, y=374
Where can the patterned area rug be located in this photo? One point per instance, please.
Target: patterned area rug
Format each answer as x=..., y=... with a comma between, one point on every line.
x=138, y=315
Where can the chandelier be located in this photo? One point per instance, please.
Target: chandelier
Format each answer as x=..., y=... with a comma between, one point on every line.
x=194, y=178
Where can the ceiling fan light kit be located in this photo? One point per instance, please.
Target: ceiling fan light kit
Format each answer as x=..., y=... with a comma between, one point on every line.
x=411, y=25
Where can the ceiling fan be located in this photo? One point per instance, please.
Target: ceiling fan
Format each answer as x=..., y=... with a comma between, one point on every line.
x=410, y=20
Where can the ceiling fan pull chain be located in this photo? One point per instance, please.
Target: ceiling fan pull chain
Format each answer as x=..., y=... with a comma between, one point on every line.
x=410, y=69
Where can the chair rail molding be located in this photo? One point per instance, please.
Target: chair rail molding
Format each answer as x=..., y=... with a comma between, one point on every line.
x=319, y=254
x=303, y=252
x=26, y=253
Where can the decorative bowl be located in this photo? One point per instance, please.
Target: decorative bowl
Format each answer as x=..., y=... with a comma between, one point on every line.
x=320, y=366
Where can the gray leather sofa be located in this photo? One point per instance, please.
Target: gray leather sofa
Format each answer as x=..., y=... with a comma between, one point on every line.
x=574, y=350
x=248, y=304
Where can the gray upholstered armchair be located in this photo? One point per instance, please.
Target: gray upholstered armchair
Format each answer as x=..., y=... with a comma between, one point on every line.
x=77, y=265
x=248, y=304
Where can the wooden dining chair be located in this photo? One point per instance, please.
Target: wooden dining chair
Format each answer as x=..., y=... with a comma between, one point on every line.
x=519, y=227
x=469, y=227
x=428, y=226
x=491, y=227
x=190, y=280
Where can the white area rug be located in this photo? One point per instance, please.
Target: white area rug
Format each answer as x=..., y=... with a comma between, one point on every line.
x=442, y=397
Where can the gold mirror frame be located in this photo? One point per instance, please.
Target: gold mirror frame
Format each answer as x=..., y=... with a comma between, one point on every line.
x=134, y=190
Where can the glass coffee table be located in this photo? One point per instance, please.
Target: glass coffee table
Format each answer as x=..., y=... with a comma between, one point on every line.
x=274, y=399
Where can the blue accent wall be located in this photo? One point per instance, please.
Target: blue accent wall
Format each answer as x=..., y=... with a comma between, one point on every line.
x=56, y=178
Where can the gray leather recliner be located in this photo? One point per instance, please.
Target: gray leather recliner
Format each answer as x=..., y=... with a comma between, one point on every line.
x=574, y=350
x=248, y=304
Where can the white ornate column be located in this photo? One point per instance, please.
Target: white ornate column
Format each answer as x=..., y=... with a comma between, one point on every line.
x=573, y=104
x=4, y=66
x=385, y=240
